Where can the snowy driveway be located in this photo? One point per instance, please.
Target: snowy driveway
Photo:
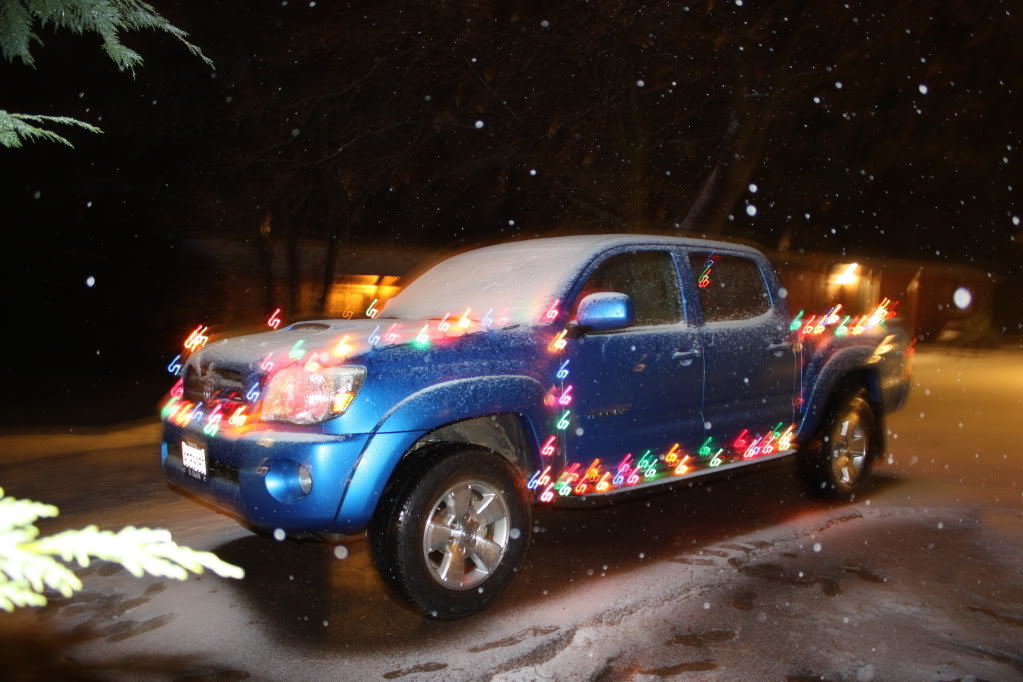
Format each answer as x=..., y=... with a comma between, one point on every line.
x=919, y=579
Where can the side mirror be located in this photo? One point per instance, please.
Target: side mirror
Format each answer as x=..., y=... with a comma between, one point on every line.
x=604, y=311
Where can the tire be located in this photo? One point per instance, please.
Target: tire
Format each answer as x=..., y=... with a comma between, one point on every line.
x=836, y=463
x=451, y=530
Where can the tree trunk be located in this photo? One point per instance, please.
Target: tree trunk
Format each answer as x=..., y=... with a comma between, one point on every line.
x=332, y=190
x=264, y=255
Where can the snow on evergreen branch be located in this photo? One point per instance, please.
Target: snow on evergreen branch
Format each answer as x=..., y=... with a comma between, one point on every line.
x=29, y=565
x=16, y=128
x=108, y=18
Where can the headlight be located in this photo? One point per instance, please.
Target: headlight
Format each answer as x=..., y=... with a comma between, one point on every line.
x=300, y=397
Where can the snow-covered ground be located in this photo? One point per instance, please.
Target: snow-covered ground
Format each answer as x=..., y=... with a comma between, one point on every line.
x=918, y=579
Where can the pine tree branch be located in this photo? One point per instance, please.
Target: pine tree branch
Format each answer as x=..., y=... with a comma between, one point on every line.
x=108, y=18
x=29, y=565
x=16, y=128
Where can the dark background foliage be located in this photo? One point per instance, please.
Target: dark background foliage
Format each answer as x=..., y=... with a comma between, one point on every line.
x=445, y=124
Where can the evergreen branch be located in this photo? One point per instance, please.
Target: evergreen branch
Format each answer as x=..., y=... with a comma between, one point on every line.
x=15, y=128
x=139, y=550
x=29, y=565
x=15, y=593
x=108, y=18
x=14, y=513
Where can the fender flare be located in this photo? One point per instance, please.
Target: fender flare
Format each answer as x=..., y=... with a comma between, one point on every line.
x=424, y=411
x=824, y=381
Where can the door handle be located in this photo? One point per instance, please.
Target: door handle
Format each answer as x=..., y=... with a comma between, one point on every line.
x=685, y=358
x=782, y=345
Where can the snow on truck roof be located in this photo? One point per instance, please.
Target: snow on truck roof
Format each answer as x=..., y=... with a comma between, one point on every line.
x=600, y=242
x=515, y=280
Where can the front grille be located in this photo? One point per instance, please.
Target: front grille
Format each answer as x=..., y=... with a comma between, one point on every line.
x=213, y=384
x=214, y=468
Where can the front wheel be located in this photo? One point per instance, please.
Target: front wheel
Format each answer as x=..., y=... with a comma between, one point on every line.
x=838, y=460
x=452, y=530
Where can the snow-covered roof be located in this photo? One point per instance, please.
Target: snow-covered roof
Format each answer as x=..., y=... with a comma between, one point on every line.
x=516, y=280
x=601, y=242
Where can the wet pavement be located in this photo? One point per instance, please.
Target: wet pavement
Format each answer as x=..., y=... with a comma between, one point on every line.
x=919, y=578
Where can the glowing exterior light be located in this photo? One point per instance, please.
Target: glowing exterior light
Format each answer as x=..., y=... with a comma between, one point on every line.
x=534, y=482
x=683, y=466
x=465, y=321
x=706, y=448
x=552, y=312
x=252, y=395
x=342, y=401
x=169, y=407
x=487, y=320
x=266, y=365
x=715, y=461
x=962, y=297
x=197, y=339
x=238, y=418
x=563, y=423
x=549, y=446
x=372, y=311
x=392, y=335
x=175, y=365
x=846, y=275
x=374, y=337
x=343, y=348
x=559, y=342
x=563, y=370
x=423, y=337
x=785, y=439
x=178, y=389
x=566, y=397
x=672, y=455
x=797, y=322
x=274, y=321
x=444, y=324
x=296, y=352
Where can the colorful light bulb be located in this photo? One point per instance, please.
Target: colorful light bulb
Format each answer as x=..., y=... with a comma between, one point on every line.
x=274, y=321
x=559, y=342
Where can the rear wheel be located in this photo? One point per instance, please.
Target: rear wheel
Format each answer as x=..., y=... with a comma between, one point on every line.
x=452, y=530
x=837, y=462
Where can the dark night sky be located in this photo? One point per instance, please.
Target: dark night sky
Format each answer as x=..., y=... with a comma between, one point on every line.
x=893, y=126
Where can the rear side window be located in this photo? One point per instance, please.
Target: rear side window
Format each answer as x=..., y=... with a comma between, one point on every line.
x=731, y=287
x=649, y=278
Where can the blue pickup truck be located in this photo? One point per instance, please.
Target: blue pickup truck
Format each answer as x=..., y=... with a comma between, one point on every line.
x=564, y=371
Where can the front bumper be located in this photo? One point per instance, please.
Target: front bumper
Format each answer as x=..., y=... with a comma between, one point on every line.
x=244, y=475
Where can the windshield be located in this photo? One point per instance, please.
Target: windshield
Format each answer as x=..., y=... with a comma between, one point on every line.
x=516, y=281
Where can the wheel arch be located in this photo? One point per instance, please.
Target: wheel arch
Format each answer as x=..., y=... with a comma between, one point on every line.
x=843, y=372
x=498, y=413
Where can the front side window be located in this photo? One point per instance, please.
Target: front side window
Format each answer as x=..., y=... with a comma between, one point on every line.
x=731, y=287
x=649, y=278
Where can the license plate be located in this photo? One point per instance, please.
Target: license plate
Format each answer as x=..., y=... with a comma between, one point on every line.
x=193, y=458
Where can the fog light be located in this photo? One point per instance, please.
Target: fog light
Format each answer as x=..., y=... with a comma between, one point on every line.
x=287, y=480
x=305, y=479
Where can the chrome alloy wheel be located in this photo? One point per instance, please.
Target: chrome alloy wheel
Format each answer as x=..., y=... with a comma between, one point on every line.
x=849, y=448
x=466, y=535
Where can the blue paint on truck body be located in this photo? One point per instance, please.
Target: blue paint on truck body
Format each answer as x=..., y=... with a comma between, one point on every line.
x=634, y=388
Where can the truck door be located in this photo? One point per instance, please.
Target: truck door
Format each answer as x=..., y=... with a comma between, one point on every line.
x=640, y=388
x=750, y=368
